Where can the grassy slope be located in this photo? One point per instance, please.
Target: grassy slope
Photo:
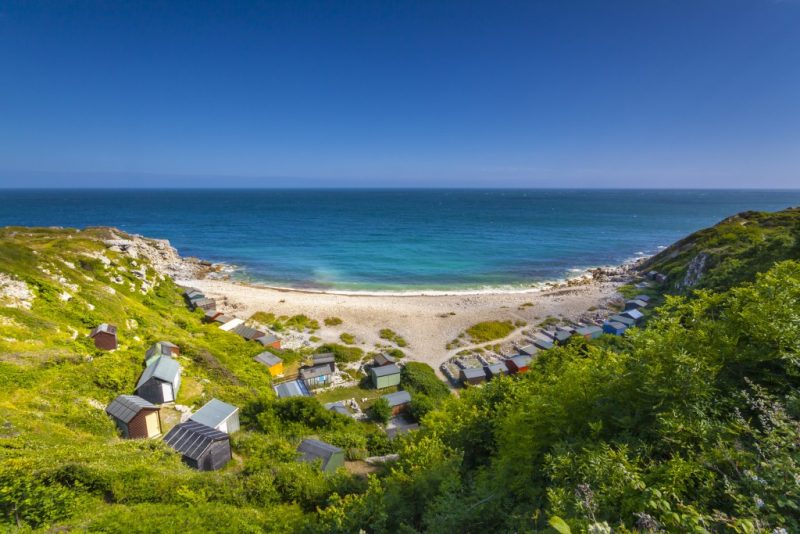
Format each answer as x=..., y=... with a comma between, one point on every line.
x=50, y=385
x=737, y=248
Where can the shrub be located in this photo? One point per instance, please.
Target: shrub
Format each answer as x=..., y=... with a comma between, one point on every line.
x=332, y=321
x=381, y=411
x=489, y=331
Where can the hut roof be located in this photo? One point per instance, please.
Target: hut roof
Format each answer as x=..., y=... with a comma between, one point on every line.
x=627, y=321
x=268, y=339
x=529, y=350
x=386, y=370
x=223, y=319
x=339, y=408
x=542, y=344
x=473, y=372
x=315, y=371
x=521, y=360
x=125, y=407
x=313, y=449
x=267, y=358
x=202, y=301
x=384, y=359
x=160, y=348
x=636, y=302
x=588, y=330
x=164, y=368
x=104, y=328
x=293, y=388
x=213, y=413
x=616, y=325
x=247, y=332
x=191, y=438
x=398, y=398
x=562, y=335
x=496, y=369
x=633, y=314
x=643, y=298
x=325, y=357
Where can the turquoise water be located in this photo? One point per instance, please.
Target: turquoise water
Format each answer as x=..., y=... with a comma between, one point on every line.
x=403, y=240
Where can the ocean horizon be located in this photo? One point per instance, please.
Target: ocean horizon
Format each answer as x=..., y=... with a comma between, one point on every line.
x=398, y=240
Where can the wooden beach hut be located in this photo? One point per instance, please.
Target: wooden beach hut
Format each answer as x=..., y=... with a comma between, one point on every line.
x=383, y=359
x=104, y=336
x=200, y=446
x=385, y=376
x=160, y=381
x=160, y=348
x=203, y=304
x=589, y=332
x=330, y=458
x=472, y=376
x=316, y=376
x=273, y=363
x=494, y=370
x=614, y=328
x=634, y=314
x=518, y=364
x=269, y=340
x=528, y=350
x=562, y=336
x=399, y=401
x=247, y=332
x=291, y=388
x=619, y=318
x=218, y=415
x=634, y=304
x=542, y=344
x=230, y=324
x=135, y=417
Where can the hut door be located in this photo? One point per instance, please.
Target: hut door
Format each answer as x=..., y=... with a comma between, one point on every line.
x=151, y=420
x=167, y=392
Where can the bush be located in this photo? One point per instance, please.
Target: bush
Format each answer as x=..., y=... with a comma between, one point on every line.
x=350, y=339
x=418, y=377
x=332, y=321
x=489, y=331
x=381, y=411
x=341, y=353
x=390, y=335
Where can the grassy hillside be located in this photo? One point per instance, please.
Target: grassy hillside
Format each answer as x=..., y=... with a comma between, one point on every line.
x=61, y=459
x=730, y=252
x=689, y=425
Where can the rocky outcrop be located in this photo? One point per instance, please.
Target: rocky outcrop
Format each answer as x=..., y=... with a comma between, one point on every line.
x=15, y=293
x=161, y=255
x=694, y=271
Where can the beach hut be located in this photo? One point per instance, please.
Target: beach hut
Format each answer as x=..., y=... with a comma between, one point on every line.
x=546, y=335
x=273, y=363
x=528, y=350
x=398, y=401
x=634, y=314
x=222, y=319
x=191, y=293
x=614, y=328
x=383, y=359
x=160, y=381
x=643, y=298
x=316, y=376
x=104, y=336
x=135, y=417
x=385, y=376
x=160, y=348
x=494, y=370
x=325, y=358
x=660, y=278
x=634, y=304
x=339, y=407
x=312, y=450
x=562, y=336
x=292, y=388
x=542, y=344
x=218, y=415
x=211, y=315
x=200, y=446
x=246, y=332
x=651, y=275
x=619, y=318
x=472, y=375
x=204, y=304
x=270, y=340
x=589, y=332
x=230, y=324
x=518, y=364
x=568, y=329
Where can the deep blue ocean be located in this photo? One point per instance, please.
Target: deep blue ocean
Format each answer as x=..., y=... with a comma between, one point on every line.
x=399, y=240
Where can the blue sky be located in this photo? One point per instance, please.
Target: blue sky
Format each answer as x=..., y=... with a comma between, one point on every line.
x=451, y=94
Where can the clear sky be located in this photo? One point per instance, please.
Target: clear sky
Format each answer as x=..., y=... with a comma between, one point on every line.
x=536, y=93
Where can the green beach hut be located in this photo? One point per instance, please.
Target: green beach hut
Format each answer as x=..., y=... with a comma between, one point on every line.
x=385, y=376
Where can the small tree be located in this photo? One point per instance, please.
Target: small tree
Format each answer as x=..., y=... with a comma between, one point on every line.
x=381, y=411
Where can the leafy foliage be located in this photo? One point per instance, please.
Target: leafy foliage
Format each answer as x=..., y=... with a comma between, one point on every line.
x=489, y=331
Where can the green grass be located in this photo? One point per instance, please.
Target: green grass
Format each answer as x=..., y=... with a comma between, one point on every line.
x=390, y=335
x=332, y=321
x=349, y=339
x=489, y=331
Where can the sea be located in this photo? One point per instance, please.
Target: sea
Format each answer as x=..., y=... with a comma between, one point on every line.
x=398, y=241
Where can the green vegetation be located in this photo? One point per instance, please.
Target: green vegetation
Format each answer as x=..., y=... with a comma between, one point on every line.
x=342, y=353
x=390, y=335
x=691, y=424
x=549, y=321
x=380, y=411
x=332, y=321
x=350, y=339
x=731, y=252
x=490, y=330
x=298, y=323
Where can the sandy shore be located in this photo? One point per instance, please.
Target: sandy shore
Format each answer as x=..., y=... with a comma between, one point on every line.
x=428, y=323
